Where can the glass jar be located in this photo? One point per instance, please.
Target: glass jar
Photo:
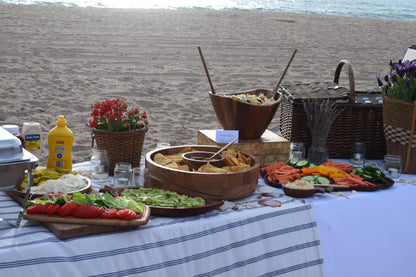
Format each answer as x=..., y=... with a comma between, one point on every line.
x=122, y=175
x=358, y=152
x=392, y=166
x=297, y=151
x=100, y=165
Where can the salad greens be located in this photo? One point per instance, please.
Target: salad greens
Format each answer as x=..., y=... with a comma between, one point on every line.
x=162, y=198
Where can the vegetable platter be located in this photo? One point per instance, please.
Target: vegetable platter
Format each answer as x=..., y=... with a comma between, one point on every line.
x=80, y=208
x=338, y=176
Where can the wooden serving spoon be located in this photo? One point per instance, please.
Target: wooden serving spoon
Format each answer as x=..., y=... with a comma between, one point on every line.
x=222, y=149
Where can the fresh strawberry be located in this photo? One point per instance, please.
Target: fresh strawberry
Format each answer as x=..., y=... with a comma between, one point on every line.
x=67, y=209
x=51, y=209
x=126, y=214
x=108, y=213
x=87, y=211
x=36, y=209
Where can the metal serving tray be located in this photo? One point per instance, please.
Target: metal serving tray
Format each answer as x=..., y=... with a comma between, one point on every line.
x=14, y=161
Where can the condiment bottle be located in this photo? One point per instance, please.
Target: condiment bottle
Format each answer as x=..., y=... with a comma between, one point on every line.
x=14, y=129
x=32, y=136
x=60, y=140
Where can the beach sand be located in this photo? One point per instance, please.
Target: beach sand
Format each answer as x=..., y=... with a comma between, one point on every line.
x=60, y=60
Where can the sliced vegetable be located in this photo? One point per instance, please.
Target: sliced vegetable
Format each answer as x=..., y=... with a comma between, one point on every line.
x=341, y=166
x=302, y=163
x=279, y=172
x=369, y=173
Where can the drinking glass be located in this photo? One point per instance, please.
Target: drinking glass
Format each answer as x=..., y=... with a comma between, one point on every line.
x=122, y=175
x=100, y=165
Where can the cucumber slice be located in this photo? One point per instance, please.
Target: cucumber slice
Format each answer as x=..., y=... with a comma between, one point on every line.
x=322, y=180
x=302, y=163
x=309, y=179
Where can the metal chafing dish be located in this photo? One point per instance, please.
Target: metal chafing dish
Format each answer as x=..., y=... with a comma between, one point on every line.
x=14, y=161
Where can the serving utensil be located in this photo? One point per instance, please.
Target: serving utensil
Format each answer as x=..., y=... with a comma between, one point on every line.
x=206, y=70
x=222, y=149
x=283, y=75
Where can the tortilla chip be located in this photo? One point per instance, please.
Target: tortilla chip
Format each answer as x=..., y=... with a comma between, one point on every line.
x=161, y=159
x=237, y=168
x=209, y=168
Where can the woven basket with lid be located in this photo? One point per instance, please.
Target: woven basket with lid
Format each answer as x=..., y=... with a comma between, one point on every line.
x=357, y=122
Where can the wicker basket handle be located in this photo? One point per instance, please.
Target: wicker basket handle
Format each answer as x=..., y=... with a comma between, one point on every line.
x=350, y=77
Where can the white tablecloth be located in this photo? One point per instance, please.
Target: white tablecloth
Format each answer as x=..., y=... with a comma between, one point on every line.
x=252, y=241
x=369, y=234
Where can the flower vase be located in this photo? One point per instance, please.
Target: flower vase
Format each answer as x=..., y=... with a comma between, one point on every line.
x=121, y=146
x=318, y=151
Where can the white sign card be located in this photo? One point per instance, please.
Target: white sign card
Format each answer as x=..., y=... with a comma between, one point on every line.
x=225, y=136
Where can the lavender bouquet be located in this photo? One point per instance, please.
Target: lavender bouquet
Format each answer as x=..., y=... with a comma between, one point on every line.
x=400, y=82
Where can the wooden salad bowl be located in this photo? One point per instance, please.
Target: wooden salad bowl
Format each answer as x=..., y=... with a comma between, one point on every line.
x=249, y=119
x=210, y=186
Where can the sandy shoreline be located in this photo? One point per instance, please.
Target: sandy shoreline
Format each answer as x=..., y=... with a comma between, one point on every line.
x=58, y=61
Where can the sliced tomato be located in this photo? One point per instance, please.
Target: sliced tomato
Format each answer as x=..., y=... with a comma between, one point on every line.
x=67, y=209
x=36, y=209
x=126, y=214
x=51, y=209
x=87, y=211
x=108, y=213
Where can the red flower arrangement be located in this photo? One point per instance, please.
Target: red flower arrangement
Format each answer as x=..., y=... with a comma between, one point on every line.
x=112, y=115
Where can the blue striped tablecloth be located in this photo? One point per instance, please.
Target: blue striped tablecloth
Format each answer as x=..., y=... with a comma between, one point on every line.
x=254, y=240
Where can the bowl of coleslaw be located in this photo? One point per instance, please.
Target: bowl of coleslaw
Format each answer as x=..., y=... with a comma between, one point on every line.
x=249, y=112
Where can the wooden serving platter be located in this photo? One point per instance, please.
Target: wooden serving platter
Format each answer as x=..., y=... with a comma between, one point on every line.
x=72, y=229
x=90, y=221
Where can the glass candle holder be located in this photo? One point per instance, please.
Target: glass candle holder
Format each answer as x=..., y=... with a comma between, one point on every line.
x=392, y=166
x=297, y=151
x=358, y=152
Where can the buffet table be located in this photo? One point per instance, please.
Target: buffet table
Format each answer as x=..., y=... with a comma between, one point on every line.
x=366, y=234
x=254, y=240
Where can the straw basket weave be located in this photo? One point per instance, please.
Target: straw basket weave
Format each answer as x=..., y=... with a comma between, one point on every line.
x=357, y=122
x=399, y=120
x=121, y=146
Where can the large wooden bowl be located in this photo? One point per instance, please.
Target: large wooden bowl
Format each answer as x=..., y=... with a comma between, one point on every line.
x=210, y=186
x=249, y=119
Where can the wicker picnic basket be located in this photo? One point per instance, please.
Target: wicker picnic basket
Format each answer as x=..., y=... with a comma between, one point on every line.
x=399, y=117
x=121, y=146
x=357, y=122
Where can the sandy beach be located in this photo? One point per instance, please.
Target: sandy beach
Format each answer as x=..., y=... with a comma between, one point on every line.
x=60, y=60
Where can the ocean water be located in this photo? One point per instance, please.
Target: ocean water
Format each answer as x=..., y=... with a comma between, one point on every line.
x=382, y=9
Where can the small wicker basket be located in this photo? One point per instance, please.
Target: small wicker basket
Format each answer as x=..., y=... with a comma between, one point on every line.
x=357, y=122
x=121, y=146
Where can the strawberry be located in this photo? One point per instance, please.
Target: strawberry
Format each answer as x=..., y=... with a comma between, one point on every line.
x=67, y=209
x=126, y=214
x=108, y=213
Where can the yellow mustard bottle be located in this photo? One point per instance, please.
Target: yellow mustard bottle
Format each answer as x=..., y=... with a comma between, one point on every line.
x=60, y=140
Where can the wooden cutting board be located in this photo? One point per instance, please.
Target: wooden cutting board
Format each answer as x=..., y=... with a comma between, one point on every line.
x=81, y=227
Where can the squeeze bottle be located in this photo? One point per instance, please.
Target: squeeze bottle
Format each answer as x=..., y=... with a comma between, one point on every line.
x=60, y=140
